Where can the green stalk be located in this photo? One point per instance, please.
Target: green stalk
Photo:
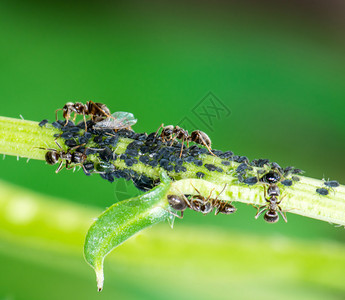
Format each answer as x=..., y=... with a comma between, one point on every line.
x=21, y=138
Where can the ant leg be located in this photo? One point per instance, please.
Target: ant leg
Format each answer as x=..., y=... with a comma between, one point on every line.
x=204, y=143
x=56, y=142
x=108, y=116
x=85, y=121
x=196, y=189
x=265, y=193
x=85, y=171
x=259, y=213
x=174, y=214
x=187, y=201
x=56, y=113
x=281, y=199
x=182, y=147
x=282, y=214
x=47, y=149
x=60, y=167
x=221, y=192
x=162, y=126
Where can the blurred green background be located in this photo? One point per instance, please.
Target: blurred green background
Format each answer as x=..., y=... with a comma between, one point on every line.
x=277, y=74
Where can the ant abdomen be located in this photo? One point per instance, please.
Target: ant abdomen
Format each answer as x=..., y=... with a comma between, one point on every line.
x=271, y=216
x=177, y=203
x=52, y=157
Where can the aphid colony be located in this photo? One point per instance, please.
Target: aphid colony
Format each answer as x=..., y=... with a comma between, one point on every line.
x=92, y=145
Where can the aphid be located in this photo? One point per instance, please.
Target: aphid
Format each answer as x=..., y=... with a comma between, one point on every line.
x=52, y=156
x=251, y=180
x=275, y=166
x=210, y=167
x=70, y=143
x=272, y=207
x=118, y=120
x=261, y=162
x=143, y=182
x=200, y=174
x=106, y=154
x=241, y=168
x=104, y=167
x=297, y=171
x=198, y=162
x=287, y=182
x=295, y=178
x=288, y=170
x=43, y=122
x=97, y=111
x=322, y=191
x=332, y=183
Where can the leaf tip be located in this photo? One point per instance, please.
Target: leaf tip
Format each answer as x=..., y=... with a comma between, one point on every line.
x=99, y=279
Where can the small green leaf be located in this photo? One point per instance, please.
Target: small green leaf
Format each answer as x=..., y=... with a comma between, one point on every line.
x=121, y=221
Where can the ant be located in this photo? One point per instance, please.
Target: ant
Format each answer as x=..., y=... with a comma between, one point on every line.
x=271, y=196
x=200, y=204
x=272, y=207
x=52, y=156
x=206, y=205
x=170, y=133
x=196, y=203
x=97, y=110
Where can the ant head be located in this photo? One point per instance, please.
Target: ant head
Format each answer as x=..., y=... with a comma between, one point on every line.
x=177, y=202
x=271, y=177
x=271, y=216
x=168, y=130
x=68, y=105
x=66, y=110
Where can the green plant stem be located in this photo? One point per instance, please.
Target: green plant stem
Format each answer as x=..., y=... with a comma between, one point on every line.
x=21, y=138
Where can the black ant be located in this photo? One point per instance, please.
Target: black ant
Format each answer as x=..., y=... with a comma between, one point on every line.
x=200, y=204
x=272, y=207
x=273, y=192
x=206, y=205
x=196, y=203
x=97, y=111
x=52, y=156
x=170, y=133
